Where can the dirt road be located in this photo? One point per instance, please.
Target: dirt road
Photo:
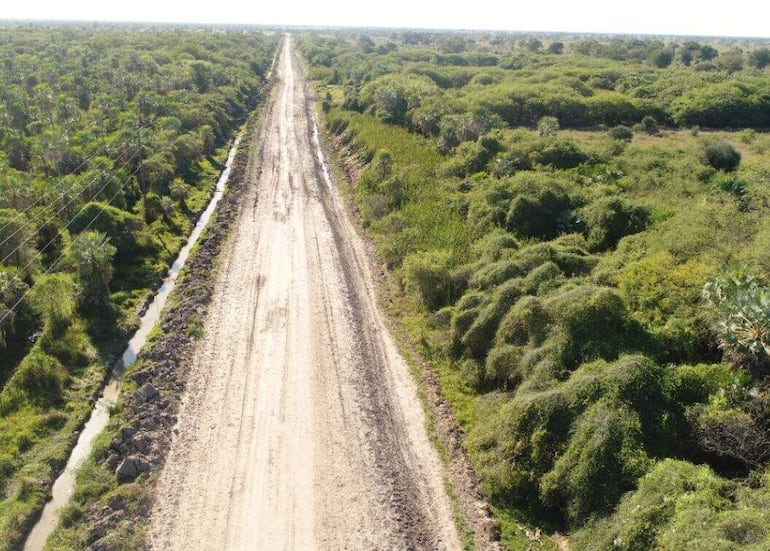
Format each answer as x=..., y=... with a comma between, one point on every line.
x=301, y=428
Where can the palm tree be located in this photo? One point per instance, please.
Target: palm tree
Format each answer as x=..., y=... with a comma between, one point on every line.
x=743, y=327
x=93, y=253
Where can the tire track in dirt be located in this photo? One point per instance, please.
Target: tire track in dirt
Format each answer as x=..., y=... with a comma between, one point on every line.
x=300, y=427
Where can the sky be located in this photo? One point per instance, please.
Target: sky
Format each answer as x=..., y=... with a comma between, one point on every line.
x=677, y=17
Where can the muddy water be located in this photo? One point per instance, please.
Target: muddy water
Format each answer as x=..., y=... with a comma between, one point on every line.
x=320, y=155
x=63, y=487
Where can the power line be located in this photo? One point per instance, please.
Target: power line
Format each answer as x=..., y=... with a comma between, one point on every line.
x=56, y=214
x=53, y=188
x=33, y=218
x=12, y=309
x=53, y=239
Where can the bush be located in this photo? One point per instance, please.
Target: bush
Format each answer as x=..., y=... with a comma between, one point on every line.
x=642, y=516
x=603, y=460
x=594, y=320
x=649, y=125
x=477, y=340
x=559, y=153
x=525, y=323
x=721, y=156
x=623, y=133
x=427, y=276
x=502, y=369
x=609, y=219
x=537, y=214
x=40, y=376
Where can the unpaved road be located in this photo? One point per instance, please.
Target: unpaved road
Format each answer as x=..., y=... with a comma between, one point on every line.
x=301, y=428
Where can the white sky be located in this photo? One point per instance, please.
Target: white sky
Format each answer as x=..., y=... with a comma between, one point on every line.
x=683, y=17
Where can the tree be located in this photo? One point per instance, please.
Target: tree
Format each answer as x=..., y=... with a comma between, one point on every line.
x=533, y=44
x=207, y=139
x=156, y=172
x=52, y=297
x=547, y=126
x=649, y=125
x=392, y=104
x=16, y=243
x=12, y=290
x=662, y=58
x=760, y=58
x=556, y=47
x=731, y=61
x=742, y=303
x=365, y=43
x=93, y=253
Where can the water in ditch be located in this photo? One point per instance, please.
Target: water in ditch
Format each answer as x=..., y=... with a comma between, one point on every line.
x=100, y=415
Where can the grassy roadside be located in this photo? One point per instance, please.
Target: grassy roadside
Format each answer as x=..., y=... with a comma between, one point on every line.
x=103, y=509
x=447, y=400
x=36, y=436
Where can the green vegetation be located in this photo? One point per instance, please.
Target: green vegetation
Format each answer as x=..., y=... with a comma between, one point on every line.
x=110, y=144
x=576, y=239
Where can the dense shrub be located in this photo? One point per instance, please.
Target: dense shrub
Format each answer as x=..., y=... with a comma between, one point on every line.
x=427, y=276
x=722, y=156
x=502, y=367
x=494, y=245
x=525, y=323
x=603, y=460
x=561, y=153
x=70, y=346
x=738, y=433
x=478, y=338
x=670, y=488
x=120, y=226
x=543, y=279
x=594, y=320
x=40, y=376
x=534, y=432
x=609, y=219
x=52, y=297
x=691, y=384
x=517, y=441
x=623, y=133
x=570, y=260
x=538, y=215
x=465, y=314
